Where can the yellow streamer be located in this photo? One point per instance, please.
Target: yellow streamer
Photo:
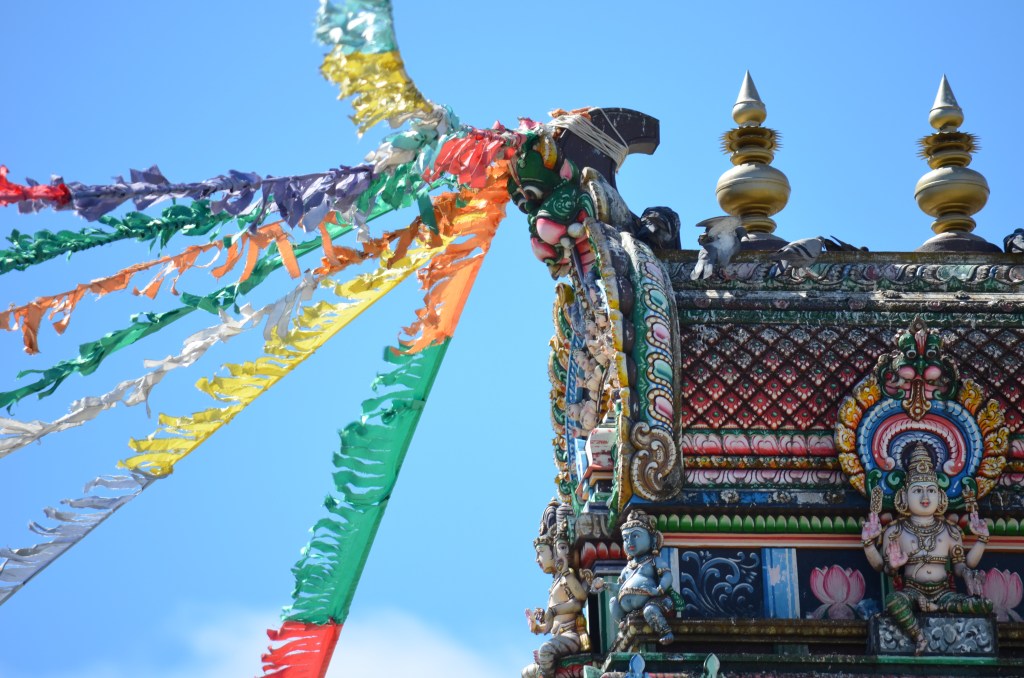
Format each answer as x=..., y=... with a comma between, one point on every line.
x=313, y=327
x=379, y=85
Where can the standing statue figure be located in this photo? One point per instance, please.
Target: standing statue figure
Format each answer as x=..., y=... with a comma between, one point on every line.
x=646, y=579
x=922, y=552
x=563, y=618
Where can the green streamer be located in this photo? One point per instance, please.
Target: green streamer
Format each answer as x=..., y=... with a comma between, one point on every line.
x=372, y=452
x=194, y=219
x=93, y=353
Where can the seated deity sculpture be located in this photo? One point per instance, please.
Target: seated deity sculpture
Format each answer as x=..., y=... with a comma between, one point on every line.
x=646, y=579
x=563, y=618
x=921, y=551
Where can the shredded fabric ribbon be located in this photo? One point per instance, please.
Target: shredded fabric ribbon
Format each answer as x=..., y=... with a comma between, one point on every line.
x=469, y=155
x=104, y=496
x=303, y=650
x=179, y=436
x=366, y=65
x=29, y=316
x=92, y=354
x=274, y=316
x=35, y=248
x=293, y=197
x=32, y=197
x=374, y=447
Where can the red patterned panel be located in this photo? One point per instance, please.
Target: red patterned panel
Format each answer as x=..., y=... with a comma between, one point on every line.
x=795, y=376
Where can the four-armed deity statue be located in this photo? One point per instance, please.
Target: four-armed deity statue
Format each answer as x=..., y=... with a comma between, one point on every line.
x=921, y=551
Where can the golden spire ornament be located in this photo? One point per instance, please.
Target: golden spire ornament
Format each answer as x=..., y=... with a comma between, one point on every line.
x=951, y=192
x=753, y=190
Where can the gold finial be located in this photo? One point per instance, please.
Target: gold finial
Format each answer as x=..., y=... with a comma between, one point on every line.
x=946, y=114
x=749, y=109
x=951, y=192
x=752, y=190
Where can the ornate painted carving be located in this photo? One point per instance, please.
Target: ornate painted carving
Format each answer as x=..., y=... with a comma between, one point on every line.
x=921, y=551
x=943, y=635
x=721, y=583
x=655, y=468
x=852, y=272
x=755, y=478
x=563, y=617
x=646, y=580
x=791, y=444
x=916, y=396
x=770, y=377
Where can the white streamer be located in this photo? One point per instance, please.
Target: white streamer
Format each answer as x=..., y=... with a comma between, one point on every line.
x=135, y=391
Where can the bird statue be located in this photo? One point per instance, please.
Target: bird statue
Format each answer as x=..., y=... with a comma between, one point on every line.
x=1014, y=243
x=797, y=255
x=719, y=242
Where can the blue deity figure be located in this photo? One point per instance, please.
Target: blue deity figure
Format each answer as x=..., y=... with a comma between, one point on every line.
x=646, y=579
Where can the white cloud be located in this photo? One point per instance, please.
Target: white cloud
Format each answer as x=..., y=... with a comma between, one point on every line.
x=395, y=644
x=228, y=644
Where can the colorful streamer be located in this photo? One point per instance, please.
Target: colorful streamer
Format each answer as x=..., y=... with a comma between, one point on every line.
x=374, y=447
x=366, y=65
x=22, y=564
x=304, y=649
x=29, y=316
x=179, y=436
x=92, y=354
x=293, y=197
x=34, y=196
x=191, y=220
x=274, y=316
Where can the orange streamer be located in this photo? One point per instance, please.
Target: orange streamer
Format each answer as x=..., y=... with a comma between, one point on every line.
x=28, y=317
x=449, y=276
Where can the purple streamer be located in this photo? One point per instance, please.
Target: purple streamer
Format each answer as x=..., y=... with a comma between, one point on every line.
x=293, y=197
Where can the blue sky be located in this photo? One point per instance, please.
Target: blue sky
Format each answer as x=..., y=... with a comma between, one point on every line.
x=183, y=580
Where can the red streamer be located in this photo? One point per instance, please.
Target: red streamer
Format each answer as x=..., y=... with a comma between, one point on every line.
x=11, y=193
x=304, y=652
x=467, y=158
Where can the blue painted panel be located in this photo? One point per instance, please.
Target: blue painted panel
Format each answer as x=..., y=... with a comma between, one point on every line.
x=781, y=584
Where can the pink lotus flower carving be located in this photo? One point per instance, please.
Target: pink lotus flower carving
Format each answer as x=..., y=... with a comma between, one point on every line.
x=1005, y=590
x=839, y=590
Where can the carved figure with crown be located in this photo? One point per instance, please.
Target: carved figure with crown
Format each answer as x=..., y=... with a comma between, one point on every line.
x=922, y=552
x=563, y=617
x=918, y=440
x=646, y=579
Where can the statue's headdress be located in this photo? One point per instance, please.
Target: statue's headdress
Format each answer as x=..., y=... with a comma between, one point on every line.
x=548, y=519
x=921, y=468
x=639, y=518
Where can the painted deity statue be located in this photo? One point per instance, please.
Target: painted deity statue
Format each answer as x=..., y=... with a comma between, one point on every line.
x=563, y=618
x=646, y=579
x=922, y=552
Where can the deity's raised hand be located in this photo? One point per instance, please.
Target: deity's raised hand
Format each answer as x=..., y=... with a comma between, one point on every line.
x=872, y=528
x=979, y=527
x=895, y=555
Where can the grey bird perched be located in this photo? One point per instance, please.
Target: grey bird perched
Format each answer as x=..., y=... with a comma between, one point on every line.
x=797, y=255
x=719, y=242
x=1014, y=243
